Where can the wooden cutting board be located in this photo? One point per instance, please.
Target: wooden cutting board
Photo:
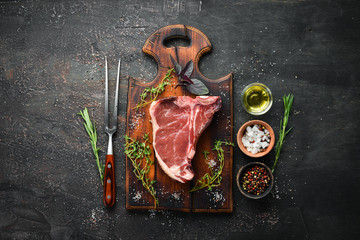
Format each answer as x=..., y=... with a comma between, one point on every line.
x=171, y=194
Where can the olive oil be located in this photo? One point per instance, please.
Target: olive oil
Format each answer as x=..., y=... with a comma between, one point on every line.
x=257, y=98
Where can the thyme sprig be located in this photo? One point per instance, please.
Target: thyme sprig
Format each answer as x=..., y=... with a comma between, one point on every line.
x=137, y=151
x=214, y=178
x=206, y=153
x=288, y=100
x=154, y=92
x=91, y=131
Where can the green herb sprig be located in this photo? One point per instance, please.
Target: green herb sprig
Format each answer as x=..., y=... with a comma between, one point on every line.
x=91, y=131
x=206, y=153
x=288, y=100
x=214, y=178
x=137, y=151
x=154, y=92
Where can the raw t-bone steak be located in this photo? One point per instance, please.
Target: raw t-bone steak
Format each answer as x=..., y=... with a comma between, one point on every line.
x=177, y=125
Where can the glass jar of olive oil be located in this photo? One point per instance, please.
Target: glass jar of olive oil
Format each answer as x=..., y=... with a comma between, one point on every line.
x=256, y=98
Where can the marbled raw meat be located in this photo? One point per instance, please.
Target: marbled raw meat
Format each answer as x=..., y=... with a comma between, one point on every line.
x=177, y=124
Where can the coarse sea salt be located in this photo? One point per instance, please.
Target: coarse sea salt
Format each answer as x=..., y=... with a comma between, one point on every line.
x=255, y=139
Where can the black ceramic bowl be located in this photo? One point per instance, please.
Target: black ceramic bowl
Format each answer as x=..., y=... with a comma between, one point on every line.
x=241, y=173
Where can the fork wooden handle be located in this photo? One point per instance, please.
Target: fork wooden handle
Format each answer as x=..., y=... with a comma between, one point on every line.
x=109, y=182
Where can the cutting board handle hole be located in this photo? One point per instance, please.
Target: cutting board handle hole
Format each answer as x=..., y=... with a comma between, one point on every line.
x=177, y=41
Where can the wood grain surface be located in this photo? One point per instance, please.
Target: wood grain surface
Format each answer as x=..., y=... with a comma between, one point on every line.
x=172, y=194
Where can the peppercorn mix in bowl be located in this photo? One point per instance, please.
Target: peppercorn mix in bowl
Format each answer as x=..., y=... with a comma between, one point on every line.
x=256, y=138
x=255, y=180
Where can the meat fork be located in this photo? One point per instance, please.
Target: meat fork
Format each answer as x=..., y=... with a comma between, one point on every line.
x=109, y=173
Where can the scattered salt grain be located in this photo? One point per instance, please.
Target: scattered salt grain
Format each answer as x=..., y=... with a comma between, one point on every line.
x=255, y=139
x=211, y=163
x=152, y=213
x=137, y=196
x=216, y=197
x=176, y=195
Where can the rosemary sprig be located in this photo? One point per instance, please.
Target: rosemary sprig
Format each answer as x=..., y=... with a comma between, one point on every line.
x=154, y=92
x=288, y=100
x=136, y=151
x=214, y=178
x=91, y=131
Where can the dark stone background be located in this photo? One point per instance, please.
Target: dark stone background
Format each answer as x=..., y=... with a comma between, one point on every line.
x=51, y=67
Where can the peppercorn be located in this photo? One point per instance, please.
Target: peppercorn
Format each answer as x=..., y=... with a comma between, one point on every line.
x=255, y=180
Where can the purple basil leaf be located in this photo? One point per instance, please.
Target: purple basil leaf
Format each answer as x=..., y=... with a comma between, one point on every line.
x=186, y=79
x=188, y=69
x=198, y=88
x=177, y=66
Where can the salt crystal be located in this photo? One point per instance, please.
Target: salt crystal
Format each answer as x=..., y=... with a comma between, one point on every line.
x=264, y=144
x=245, y=142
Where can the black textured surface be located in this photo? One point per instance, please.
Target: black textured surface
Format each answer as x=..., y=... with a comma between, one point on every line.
x=51, y=67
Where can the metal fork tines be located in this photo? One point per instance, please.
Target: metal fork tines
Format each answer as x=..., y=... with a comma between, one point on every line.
x=109, y=173
x=112, y=130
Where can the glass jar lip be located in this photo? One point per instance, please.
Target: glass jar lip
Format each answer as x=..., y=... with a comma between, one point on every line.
x=266, y=89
